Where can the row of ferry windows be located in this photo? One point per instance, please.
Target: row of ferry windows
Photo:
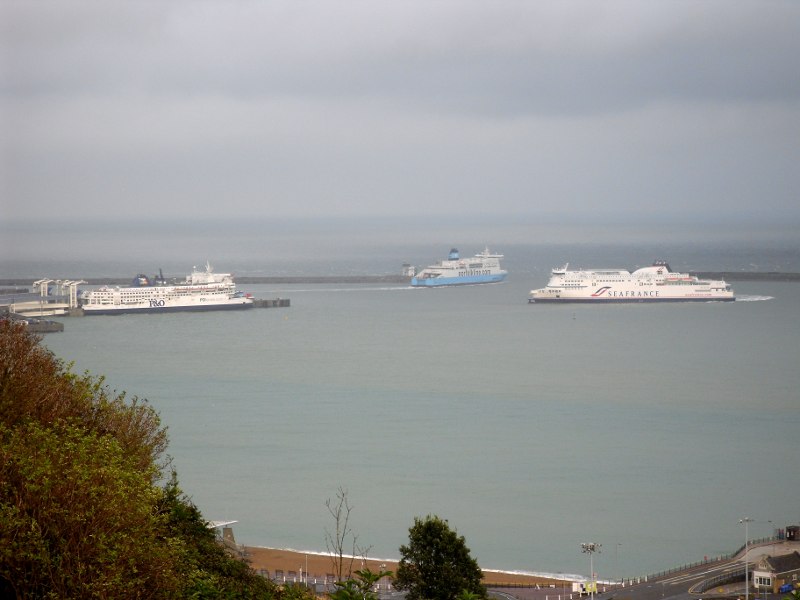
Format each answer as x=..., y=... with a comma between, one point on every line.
x=141, y=296
x=581, y=281
x=596, y=281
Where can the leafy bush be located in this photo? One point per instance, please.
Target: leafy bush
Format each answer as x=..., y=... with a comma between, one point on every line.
x=82, y=514
x=436, y=564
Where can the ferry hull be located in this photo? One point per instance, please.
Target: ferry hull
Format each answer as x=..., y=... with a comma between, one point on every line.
x=622, y=300
x=448, y=281
x=127, y=310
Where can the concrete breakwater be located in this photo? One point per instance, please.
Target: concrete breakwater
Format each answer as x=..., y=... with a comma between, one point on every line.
x=748, y=275
x=401, y=279
x=271, y=303
x=124, y=281
x=398, y=279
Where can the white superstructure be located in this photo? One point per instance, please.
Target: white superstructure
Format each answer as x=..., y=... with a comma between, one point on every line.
x=200, y=291
x=657, y=283
x=484, y=267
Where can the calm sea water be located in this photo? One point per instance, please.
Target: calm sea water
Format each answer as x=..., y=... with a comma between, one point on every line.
x=532, y=428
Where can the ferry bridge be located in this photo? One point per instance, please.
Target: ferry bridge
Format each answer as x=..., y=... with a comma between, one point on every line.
x=47, y=298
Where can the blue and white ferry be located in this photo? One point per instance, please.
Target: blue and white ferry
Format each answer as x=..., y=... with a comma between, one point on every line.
x=481, y=268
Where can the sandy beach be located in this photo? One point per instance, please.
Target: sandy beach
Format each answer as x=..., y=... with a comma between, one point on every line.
x=317, y=566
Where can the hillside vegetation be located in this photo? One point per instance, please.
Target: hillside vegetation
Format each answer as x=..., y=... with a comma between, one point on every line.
x=88, y=507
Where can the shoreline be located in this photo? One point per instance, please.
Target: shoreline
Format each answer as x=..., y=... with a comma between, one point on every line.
x=294, y=564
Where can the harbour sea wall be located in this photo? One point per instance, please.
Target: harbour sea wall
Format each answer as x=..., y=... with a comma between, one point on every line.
x=401, y=279
x=398, y=279
x=748, y=276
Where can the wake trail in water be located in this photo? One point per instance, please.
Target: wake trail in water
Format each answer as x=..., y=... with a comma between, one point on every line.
x=353, y=289
x=754, y=298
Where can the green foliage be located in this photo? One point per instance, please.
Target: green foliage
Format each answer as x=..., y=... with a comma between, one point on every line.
x=81, y=514
x=35, y=386
x=209, y=570
x=793, y=595
x=294, y=591
x=362, y=587
x=436, y=564
x=347, y=590
x=77, y=517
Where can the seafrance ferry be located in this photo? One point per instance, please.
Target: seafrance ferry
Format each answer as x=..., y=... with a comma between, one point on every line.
x=649, y=284
x=202, y=290
x=481, y=268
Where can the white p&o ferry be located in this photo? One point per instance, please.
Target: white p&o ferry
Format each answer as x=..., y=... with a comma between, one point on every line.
x=481, y=268
x=201, y=291
x=657, y=283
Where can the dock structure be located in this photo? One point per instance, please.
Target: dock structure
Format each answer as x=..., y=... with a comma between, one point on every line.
x=46, y=300
x=34, y=325
x=274, y=303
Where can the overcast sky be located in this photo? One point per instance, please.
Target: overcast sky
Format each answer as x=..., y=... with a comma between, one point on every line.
x=560, y=110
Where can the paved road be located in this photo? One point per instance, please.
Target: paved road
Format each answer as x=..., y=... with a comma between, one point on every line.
x=681, y=585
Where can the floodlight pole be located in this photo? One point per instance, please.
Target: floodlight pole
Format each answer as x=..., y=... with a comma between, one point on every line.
x=590, y=548
x=746, y=521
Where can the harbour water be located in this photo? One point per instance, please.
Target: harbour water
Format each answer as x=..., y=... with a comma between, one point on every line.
x=650, y=429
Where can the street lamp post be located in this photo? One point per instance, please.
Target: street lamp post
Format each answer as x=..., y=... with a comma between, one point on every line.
x=746, y=521
x=590, y=548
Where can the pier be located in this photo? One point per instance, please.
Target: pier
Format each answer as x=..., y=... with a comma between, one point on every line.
x=274, y=303
x=35, y=325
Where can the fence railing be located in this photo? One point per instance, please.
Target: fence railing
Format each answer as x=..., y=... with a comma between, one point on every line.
x=729, y=577
x=705, y=561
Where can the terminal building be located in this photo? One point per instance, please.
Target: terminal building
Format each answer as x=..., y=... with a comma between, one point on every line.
x=777, y=574
x=47, y=298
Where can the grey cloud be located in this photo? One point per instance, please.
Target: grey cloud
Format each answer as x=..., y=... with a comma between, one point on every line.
x=563, y=107
x=520, y=57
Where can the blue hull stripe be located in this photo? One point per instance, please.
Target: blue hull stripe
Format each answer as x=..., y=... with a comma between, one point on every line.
x=442, y=281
